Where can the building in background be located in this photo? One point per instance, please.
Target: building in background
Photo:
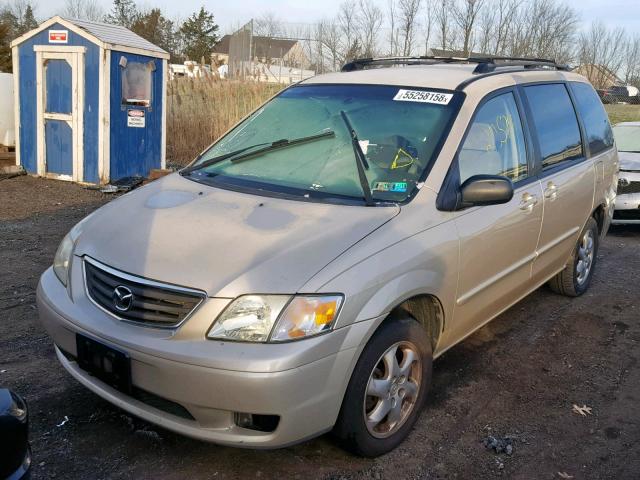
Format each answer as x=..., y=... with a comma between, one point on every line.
x=266, y=50
x=599, y=75
x=259, y=58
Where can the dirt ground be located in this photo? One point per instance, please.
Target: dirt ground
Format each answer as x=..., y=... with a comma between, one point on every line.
x=517, y=377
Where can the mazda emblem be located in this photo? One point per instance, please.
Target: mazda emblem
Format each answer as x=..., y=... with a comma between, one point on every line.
x=122, y=298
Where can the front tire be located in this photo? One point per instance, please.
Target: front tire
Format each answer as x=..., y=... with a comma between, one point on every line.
x=387, y=389
x=575, y=279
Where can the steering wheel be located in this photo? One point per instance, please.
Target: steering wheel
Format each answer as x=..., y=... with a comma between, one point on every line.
x=394, y=154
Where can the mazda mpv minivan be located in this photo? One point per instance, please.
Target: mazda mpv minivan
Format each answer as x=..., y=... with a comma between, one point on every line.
x=302, y=274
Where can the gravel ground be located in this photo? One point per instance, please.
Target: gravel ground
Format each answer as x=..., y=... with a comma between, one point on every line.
x=518, y=378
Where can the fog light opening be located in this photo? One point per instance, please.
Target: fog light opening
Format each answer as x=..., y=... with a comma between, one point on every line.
x=260, y=423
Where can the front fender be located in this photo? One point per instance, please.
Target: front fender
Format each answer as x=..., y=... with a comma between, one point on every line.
x=425, y=263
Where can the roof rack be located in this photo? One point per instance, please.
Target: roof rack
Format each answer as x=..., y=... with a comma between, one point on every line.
x=485, y=64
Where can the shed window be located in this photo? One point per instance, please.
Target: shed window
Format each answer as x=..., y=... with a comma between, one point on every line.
x=137, y=83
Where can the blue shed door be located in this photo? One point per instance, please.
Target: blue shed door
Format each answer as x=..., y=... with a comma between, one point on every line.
x=58, y=118
x=60, y=105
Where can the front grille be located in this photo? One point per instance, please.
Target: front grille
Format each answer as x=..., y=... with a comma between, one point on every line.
x=161, y=403
x=151, y=303
x=632, y=187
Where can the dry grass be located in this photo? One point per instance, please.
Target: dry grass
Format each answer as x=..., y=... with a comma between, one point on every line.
x=201, y=110
x=623, y=113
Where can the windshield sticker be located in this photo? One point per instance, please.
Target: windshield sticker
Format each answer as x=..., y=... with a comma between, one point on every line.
x=423, y=97
x=390, y=187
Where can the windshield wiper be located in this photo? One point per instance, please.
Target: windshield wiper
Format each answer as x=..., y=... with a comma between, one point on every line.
x=284, y=143
x=361, y=161
x=219, y=158
x=240, y=155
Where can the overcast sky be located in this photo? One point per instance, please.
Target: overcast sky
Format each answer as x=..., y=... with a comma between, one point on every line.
x=230, y=13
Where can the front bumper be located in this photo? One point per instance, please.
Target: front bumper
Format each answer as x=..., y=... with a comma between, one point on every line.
x=627, y=210
x=302, y=383
x=627, y=206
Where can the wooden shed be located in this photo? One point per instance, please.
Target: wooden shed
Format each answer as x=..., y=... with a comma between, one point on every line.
x=90, y=99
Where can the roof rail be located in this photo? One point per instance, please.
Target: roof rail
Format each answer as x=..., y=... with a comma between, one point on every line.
x=485, y=64
x=491, y=63
x=364, y=63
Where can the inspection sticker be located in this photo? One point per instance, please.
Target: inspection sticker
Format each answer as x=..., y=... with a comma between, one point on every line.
x=423, y=96
x=390, y=187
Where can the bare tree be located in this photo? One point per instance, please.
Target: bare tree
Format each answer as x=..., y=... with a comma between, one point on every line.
x=393, y=32
x=544, y=28
x=507, y=11
x=486, y=30
x=428, y=24
x=444, y=29
x=328, y=45
x=465, y=13
x=370, y=19
x=268, y=25
x=602, y=53
x=407, y=17
x=632, y=61
x=83, y=9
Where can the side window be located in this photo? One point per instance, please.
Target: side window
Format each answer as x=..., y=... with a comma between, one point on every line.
x=556, y=123
x=596, y=122
x=137, y=82
x=495, y=142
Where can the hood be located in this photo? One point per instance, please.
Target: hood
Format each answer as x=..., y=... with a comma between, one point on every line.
x=226, y=243
x=629, y=161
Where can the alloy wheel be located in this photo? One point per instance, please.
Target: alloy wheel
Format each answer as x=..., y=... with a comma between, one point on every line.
x=392, y=389
x=586, y=252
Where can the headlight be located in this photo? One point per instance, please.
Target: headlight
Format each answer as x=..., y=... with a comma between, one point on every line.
x=249, y=318
x=276, y=318
x=62, y=260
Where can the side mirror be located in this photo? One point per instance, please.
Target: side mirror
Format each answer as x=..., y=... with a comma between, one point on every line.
x=485, y=190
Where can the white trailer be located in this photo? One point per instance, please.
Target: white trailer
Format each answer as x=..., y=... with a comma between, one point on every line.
x=7, y=119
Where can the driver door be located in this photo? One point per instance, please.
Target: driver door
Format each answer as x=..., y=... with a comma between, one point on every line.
x=497, y=242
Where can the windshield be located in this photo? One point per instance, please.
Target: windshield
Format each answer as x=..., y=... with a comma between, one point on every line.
x=399, y=131
x=627, y=138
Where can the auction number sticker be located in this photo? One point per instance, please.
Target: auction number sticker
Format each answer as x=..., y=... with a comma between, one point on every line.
x=423, y=96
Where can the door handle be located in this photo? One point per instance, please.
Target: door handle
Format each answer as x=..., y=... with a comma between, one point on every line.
x=528, y=202
x=551, y=192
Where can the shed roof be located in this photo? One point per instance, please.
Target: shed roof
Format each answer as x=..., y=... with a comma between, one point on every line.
x=113, y=37
x=115, y=34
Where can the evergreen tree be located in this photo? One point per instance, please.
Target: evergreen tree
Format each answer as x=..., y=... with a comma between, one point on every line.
x=29, y=21
x=15, y=20
x=123, y=12
x=199, y=34
x=5, y=48
x=160, y=31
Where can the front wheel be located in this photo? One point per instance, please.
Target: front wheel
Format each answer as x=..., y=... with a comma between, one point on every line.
x=575, y=279
x=387, y=389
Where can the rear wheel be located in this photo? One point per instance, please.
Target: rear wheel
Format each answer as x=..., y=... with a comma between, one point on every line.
x=387, y=389
x=575, y=279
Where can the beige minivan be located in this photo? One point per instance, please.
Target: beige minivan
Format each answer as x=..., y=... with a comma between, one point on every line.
x=302, y=274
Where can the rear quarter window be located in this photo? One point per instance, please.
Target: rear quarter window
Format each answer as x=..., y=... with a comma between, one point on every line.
x=555, y=122
x=594, y=117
